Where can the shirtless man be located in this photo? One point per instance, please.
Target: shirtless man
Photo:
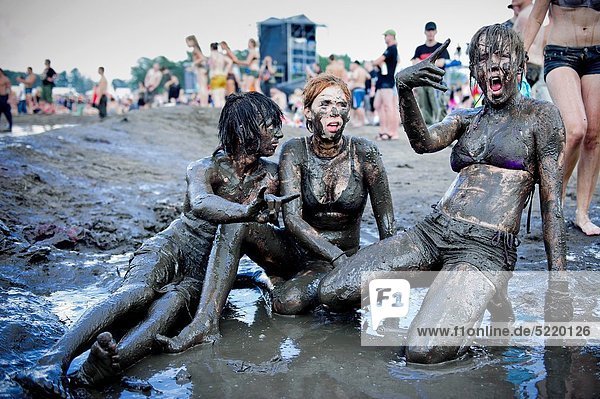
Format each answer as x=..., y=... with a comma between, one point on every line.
x=28, y=81
x=199, y=60
x=101, y=91
x=151, y=82
x=219, y=67
x=4, y=104
x=336, y=68
x=356, y=83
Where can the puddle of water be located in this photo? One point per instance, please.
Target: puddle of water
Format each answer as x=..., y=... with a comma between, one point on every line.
x=68, y=305
x=28, y=130
x=323, y=346
x=289, y=349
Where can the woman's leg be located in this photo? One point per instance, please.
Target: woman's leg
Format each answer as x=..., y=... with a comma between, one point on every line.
x=342, y=286
x=564, y=85
x=107, y=359
x=153, y=263
x=220, y=277
x=458, y=297
x=300, y=293
x=273, y=250
x=589, y=162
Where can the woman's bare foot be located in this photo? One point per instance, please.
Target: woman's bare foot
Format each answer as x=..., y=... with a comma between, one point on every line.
x=101, y=365
x=47, y=381
x=193, y=334
x=586, y=225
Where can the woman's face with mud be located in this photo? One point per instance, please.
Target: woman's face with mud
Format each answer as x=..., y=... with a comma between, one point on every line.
x=496, y=72
x=269, y=138
x=329, y=114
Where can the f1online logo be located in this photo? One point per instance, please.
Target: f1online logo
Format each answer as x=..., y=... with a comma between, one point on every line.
x=388, y=298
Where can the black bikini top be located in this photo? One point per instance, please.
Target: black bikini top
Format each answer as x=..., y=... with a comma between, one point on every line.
x=504, y=147
x=594, y=4
x=349, y=202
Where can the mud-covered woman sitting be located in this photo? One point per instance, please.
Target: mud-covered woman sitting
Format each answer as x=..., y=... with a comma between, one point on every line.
x=501, y=151
x=226, y=206
x=335, y=174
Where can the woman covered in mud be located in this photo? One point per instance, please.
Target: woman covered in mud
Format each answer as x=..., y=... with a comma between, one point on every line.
x=233, y=188
x=334, y=175
x=501, y=151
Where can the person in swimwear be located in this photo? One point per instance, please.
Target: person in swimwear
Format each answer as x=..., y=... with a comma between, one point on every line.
x=334, y=174
x=199, y=61
x=233, y=188
x=572, y=73
x=501, y=151
x=219, y=68
x=250, y=65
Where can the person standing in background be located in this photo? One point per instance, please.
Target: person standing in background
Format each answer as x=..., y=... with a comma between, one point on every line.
x=535, y=54
x=48, y=77
x=101, y=91
x=200, y=68
x=431, y=102
x=357, y=85
x=152, y=82
x=28, y=81
x=266, y=75
x=4, y=104
x=386, y=99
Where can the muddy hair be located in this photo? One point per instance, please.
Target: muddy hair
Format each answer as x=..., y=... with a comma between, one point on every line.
x=496, y=38
x=316, y=85
x=242, y=118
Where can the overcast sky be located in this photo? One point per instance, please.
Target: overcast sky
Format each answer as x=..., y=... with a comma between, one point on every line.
x=114, y=34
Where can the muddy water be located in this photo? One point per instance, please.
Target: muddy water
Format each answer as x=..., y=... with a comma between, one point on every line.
x=319, y=355
x=27, y=130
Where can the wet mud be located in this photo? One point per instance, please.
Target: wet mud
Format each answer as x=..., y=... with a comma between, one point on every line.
x=77, y=200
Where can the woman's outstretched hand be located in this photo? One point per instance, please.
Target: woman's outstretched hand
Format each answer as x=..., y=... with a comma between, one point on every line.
x=266, y=207
x=424, y=73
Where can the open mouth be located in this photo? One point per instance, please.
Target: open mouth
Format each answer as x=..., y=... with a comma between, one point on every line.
x=495, y=84
x=333, y=126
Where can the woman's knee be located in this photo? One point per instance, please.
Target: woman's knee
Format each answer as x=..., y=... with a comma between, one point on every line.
x=576, y=132
x=430, y=354
x=338, y=296
x=289, y=301
x=592, y=137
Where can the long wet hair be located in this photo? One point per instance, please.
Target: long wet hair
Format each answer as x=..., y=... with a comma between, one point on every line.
x=316, y=85
x=496, y=38
x=242, y=118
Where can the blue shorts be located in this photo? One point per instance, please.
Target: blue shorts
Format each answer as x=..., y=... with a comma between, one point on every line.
x=358, y=97
x=583, y=60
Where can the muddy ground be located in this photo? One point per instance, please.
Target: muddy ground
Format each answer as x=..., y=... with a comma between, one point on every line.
x=76, y=201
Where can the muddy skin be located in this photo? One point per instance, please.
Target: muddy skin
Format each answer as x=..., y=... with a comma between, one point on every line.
x=334, y=175
x=165, y=275
x=501, y=151
x=101, y=365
